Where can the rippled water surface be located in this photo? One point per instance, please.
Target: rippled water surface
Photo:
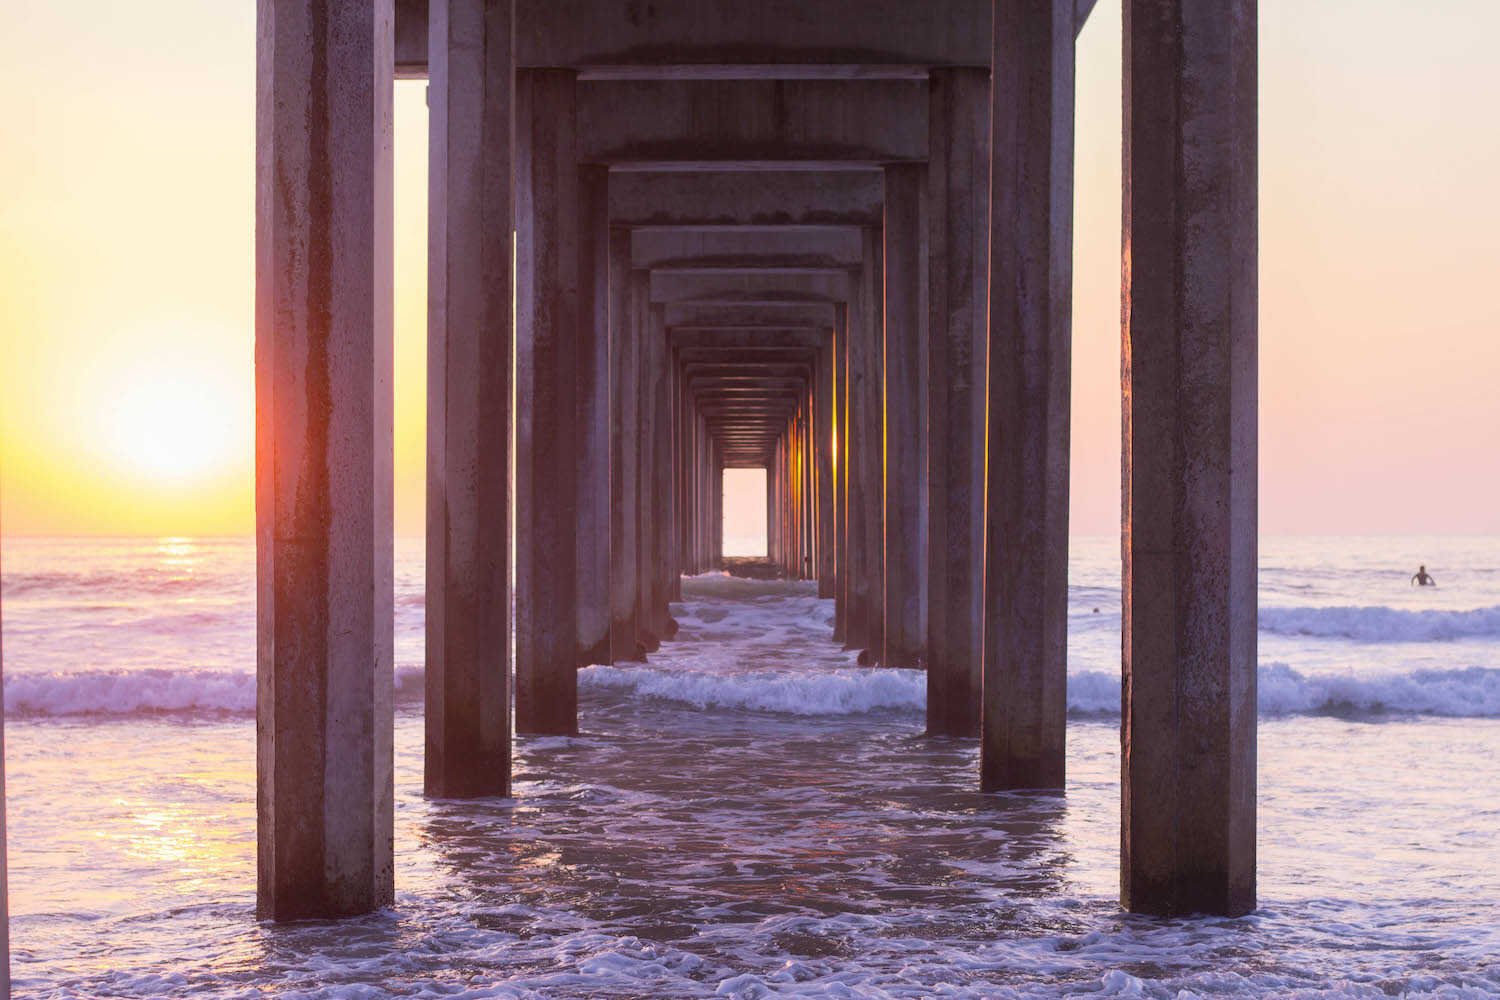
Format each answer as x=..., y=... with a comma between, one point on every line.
x=749, y=815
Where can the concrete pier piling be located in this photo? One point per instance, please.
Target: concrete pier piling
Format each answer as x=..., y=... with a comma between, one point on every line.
x=470, y=338
x=830, y=239
x=1188, y=782
x=1030, y=339
x=547, y=312
x=324, y=486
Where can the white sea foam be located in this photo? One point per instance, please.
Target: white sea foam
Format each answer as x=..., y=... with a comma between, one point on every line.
x=147, y=692
x=1382, y=624
x=1472, y=692
x=833, y=692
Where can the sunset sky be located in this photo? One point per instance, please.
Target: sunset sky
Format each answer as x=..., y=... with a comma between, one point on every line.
x=126, y=275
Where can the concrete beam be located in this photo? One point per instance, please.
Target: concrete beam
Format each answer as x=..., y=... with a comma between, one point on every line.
x=746, y=343
x=323, y=474
x=869, y=121
x=781, y=314
x=686, y=39
x=740, y=198
x=731, y=285
x=769, y=247
x=1190, y=364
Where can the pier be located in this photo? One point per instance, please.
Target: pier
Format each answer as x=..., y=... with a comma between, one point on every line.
x=827, y=238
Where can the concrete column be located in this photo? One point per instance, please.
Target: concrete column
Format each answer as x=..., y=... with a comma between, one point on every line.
x=957, y=189
x=323, y=343
x=864, y=626
x=1031, y=300
x=1190, y=305
x=717, y=483
x=840, y=345
x=646, y=335
x=661, y=471
x=823, y=448
x=905, y=474
x=593, y=416
x=547, y=225
x=656, y=500
x=625, y=445
x=469, y=339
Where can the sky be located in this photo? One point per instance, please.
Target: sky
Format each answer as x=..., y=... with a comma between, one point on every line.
x=126, y=269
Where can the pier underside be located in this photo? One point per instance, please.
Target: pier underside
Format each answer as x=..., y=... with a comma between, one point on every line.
x=830, y=239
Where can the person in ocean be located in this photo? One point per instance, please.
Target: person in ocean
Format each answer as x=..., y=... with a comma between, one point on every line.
x=1422, y=579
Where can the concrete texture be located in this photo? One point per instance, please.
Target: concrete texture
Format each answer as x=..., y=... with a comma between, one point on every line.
x=469, y=341
x=958, y=211
x=547, y=227
x=685, y=39
x=625, y=454
x=740, y=198
x=1188, y=783
x=750, y=121
x=323, y=343
x=1031, y=301
x=904, y=370
x=864, y=630
x=594, y=349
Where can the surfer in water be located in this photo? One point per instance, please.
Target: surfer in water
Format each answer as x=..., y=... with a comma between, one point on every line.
x=1422, y=579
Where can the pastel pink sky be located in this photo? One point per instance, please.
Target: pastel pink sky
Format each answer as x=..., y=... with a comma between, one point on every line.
x=126, y=234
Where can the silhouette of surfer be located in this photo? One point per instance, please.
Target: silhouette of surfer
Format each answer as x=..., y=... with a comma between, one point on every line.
x=1422, y=579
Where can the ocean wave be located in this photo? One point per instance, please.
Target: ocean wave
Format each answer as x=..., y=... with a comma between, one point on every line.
x=1381, y=624
x=1468, y=693
x=152, y=692
x=1472, y=692
x=831, y=692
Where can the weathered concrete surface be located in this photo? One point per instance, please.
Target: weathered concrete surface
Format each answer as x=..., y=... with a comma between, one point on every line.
x=625, y=454
x=840, y=347
x=743, y=285
x=469, y=340
x=905, y=372
x=1190, y=252
x=546, y=404
x=647, y=636
x=737, y=198
x=323, y=345
x=663, y=511
x=864, y=630
x=1031, y=333
x=870, y=121
x=957, y=187
x=593, y=540
x=686, y=39
x=777, y=246
x=784, y=315
x=822, y=444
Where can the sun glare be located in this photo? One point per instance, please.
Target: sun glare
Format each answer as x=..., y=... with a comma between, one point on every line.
x=172, y=420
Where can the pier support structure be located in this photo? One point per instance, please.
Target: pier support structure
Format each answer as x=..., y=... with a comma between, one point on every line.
x=1188, y=782
x=827, y=238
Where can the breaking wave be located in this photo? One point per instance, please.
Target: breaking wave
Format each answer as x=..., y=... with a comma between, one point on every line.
x=1472, y=692
x=1381, y=624
x=152, y=692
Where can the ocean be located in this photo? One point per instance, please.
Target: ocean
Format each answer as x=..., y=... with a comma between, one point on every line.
x=751, y=814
